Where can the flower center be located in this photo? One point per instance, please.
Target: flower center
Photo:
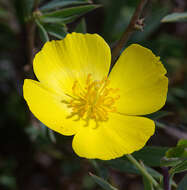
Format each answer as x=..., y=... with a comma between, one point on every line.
x=95, y=101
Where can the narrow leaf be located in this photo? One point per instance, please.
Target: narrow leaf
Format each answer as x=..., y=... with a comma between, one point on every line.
x=151, y=155
x=59, y=4
x=170, y=161
x=104, y=184
x=124, y=165
x=56, y=30
x=179, y=151
x=58, y=20
x=175, y=17
x=43, y=32
x=181, y=167
x=81, y=27
x=67, y=15
x=183, y=183
x=159, y=114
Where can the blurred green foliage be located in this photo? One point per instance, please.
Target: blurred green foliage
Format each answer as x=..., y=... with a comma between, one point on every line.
x=31, y=156
x=175, y=17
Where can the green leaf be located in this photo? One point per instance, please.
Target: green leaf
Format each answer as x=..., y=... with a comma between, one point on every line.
x=154, y=173
x=151, y=155
x=43, y=32
x=159, y=114
x=175, y=17
x=59, y=4
x=81, y=27
x=183, y=183
x=57, y=20
x=178, y=151
x=56, y=30
x=104, y=184
x=182, y=142
x=170, y=161
x=181, y=167
x=67, y=15
x=124, y=165
x=175, y=152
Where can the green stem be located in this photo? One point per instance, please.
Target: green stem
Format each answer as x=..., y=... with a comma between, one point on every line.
x=142, y=170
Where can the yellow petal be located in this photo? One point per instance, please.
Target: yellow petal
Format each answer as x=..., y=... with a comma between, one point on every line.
x=48, y=108
x=140, y=76
x=61, y=62
x=118, y=136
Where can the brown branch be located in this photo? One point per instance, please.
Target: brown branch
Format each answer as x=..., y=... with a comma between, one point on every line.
x=30, y=30
x=135, y=24
x=172, y=130
x=35, y=6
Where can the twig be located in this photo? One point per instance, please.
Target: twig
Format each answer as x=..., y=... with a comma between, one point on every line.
x=30, y=29
x=35, y=5
x=135, y=24
x=172, y=130
x=166, y=178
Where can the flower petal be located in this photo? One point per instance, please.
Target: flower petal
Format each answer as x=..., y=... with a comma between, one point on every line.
x=118, y=136
x=48, y=108
x=61, y=62
x=140, y=76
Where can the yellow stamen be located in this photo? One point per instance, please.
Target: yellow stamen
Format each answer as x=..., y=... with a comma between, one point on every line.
x=94, y=102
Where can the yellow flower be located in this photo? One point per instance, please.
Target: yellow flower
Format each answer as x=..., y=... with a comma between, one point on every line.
x=76, y=94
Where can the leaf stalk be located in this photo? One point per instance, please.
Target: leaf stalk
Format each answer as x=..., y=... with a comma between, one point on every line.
x=142, y=170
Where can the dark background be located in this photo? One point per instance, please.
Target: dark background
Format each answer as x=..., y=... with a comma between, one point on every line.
x=29, y=157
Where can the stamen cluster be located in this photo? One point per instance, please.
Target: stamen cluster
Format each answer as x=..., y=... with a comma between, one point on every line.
x=95, y=101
